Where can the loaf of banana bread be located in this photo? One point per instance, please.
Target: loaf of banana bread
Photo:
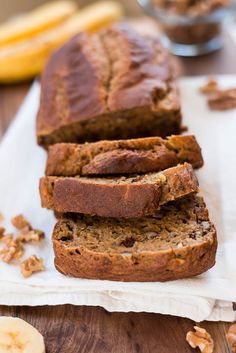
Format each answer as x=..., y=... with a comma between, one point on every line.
x=131, y=196
x=143, y=155
x=109, y=85
x=177, y=242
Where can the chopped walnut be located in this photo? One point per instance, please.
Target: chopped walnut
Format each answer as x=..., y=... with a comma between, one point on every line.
x=223, y=100
x=201, y=339
x=231, y=337
x=30, y=265
x=20, y=222
x=2, y=231
x=28, y=236
x=13, y=250
x=209, y=87
x=7, y=237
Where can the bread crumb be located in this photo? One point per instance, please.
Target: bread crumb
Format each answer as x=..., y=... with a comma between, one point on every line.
x=201, y=339
x=20, y=222
x=231, y=337
x=31, y=265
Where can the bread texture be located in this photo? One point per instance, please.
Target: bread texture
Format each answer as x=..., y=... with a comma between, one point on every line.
x=131, y=196
x=109, y=85
x=142, y=155
x=178, y=242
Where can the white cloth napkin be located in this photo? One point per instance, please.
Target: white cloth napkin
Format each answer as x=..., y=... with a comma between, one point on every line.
x=208, y=296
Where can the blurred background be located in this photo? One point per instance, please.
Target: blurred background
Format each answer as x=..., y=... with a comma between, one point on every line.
x=30, y=31
x=10, y=7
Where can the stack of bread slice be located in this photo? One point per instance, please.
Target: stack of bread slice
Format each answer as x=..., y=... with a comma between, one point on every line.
x=128, y=208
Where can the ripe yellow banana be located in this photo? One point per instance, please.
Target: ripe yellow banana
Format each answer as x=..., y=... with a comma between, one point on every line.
x=36, y=21
x=27, y=58
x=17, y=335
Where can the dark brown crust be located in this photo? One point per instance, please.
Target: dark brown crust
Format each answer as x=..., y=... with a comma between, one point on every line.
x=114, y=84
x=144, y=155
x=149, y=266
x=129, y=199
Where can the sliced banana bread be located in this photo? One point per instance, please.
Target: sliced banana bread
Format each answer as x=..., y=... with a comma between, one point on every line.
x=109, y=85
x=178, y=242
x=131, y=196
x=142, y=155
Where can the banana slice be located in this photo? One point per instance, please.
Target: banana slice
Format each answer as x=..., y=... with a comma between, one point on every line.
x=36, y=21
x=17, y=336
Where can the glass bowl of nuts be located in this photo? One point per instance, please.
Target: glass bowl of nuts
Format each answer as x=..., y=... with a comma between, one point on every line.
x=190, y=27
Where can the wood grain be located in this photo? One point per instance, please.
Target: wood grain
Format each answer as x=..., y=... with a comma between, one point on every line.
x=11, y=98
x=71, y=329
x=76, y=329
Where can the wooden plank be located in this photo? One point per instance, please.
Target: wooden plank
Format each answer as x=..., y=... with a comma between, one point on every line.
x=73, y=329
x=11, y=98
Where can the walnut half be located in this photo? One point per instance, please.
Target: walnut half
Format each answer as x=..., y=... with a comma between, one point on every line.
x=30, y=265
x=31, y=236
x=20, y=222
x=231, y=337
x=223, y=100
x=210, y=86
x=13, y=250
x=201, y=339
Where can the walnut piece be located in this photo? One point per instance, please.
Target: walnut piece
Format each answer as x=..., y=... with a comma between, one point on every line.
x=209, y=87
x=30, y=265
x=223, y=100
x=20, y=222
x=1, y=217
x=13, y=250
x=29, y=236
x=231, y=337
x=201, y=339
x=7, y=237
x=2, y=231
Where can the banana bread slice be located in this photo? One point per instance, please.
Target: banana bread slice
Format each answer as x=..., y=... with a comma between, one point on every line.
x=131, y=196
x=142, y=155
x=112, y=84
x=178, y=242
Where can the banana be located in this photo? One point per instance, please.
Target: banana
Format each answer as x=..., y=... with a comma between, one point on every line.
x=17, y=336
x=93, y=17
x=26, y=59
x=36, y=21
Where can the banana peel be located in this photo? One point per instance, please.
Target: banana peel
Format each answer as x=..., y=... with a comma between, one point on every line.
x=26, y=59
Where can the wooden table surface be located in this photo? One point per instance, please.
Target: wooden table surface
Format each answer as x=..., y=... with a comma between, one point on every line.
x=76, y=329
